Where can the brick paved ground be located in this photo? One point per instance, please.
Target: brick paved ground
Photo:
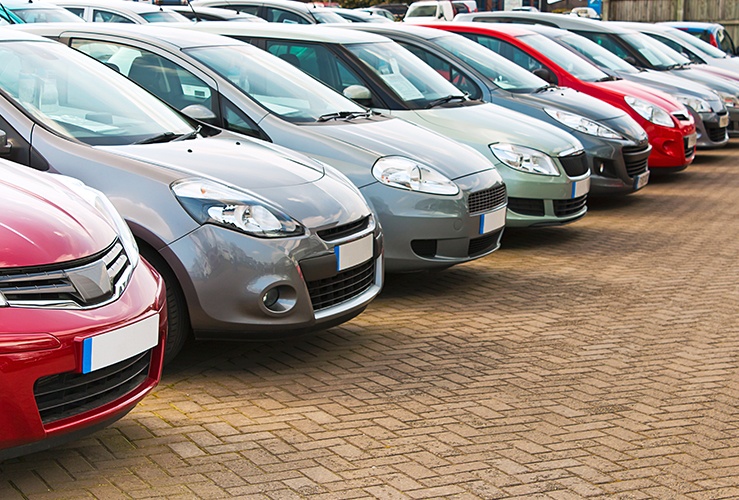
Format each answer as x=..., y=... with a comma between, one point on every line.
x=594, y=360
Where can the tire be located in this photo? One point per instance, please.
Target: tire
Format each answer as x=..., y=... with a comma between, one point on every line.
x=178, y=322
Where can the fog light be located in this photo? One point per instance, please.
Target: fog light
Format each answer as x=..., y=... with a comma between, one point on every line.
x=601, y=167
x=271, y=297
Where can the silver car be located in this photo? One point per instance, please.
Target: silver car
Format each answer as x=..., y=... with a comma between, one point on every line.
x=439, y=202
x=253, y=241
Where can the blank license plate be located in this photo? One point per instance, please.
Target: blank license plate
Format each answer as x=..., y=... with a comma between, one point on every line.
x=114, y=346
x=492, y=221
x=692, y=139
x=354, y=253
x=580, y=188
x=641, y=180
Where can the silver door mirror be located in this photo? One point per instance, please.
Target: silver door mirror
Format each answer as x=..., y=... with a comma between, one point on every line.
x=200, y=113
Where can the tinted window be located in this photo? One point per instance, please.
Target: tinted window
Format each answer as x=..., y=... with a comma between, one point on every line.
x=608, y=42
x=105, y=16
x=507, y=50
x=284, y=16
x=449, y=71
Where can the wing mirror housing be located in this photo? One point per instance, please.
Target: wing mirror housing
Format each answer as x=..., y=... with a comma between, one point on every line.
x=5, y=146
x=359, y=94
x=545, y=75
x=200, y=113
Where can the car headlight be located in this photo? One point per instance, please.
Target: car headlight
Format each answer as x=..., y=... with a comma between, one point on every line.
x=582, y=124
x=210, y=202
x=404, y=173
x=696, y=103
x=729, y=100
x=524, y=159
x=650, y=112
x=103, y=205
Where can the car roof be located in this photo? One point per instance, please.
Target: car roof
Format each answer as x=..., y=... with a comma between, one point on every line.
x=26, y=4
x=695, y=24
x=215, y=11
x=506, y=28
x=560, y=20
x=135, y=7
x=411, y=29
x=287, y=4
x=653, y=28
x=324, y=33
x=11, y=34
x=178, y=37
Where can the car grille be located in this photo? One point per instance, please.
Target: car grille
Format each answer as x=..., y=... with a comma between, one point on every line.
x=484, y=244
x=574, y=165
x=345, y=285
x=563, y=208
x=635, y=159
x=69, y=394
x=487, y=199
x=688, y=151
x=526, y=206
x=339, y=232
x=716, y=134
x=68, y=285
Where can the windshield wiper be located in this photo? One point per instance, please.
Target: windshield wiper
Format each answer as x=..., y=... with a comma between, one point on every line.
x=608, y=78
x=344, y=115
x=189, y=135
x=544, y=87
x=163, y=137
x=444, y=100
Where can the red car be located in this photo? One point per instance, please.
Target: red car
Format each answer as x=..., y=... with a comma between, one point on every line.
x=668, y=123
x=82, y=318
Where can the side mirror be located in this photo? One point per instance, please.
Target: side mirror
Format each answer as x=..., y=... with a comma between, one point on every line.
x=545, y=75
x=359, y=94
x=440, y=15
x=200, y=113
x=5, y=146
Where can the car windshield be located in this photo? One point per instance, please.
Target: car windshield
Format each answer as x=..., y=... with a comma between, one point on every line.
x=412, y=80
x=502, y=72
x=698, y=43
x=78, y=97
x=656, y=53
x=325, y=17
x=421, y=11
x=275, y=84
x=46, y=15
x=164, y=16
x=595, y=53
x=572, y=63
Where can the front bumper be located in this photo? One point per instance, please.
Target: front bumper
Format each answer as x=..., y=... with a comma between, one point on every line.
x=671, y=148
x=47, y=378
x=543, y=200
x=733, y=122
x=424, y=231
x=711, y=133
x=225, y=276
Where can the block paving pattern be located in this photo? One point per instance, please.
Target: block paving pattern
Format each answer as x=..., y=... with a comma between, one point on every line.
x=596, y=360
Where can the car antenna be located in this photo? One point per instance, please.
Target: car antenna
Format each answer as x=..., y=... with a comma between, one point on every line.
x=197, y=17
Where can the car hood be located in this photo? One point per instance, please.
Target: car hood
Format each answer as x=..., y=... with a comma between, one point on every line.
x=624, y=88
x=567, y=99
x=236, y=160
x=671, y=84
x=714, y=81
x=489, y=123
x=43, y=222
x=396, y=137
x=729, y=75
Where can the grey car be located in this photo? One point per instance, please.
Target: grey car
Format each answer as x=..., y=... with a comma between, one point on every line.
x=710, y=114
x=277, y=11
x=616, y=146
x=253, y=241
x=439, y=203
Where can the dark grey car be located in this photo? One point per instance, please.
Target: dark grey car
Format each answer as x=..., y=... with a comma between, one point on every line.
x=253, y=240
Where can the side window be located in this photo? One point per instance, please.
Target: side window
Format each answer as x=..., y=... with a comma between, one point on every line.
x=163, y=78
x=274, y=15
x=236, y=121
x=677, y=47
x=606, y=42
x=20, y=150
x=77, y=11
x=452, y=73
x=509, y=51
x=104, y=16
x=246, y=9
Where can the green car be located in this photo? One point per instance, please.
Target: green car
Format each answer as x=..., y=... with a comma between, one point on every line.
x=544, y=168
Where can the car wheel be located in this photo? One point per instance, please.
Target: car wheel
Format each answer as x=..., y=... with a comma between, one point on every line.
x=178, y=324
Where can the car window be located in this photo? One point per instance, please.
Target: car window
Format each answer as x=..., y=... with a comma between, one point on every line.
x=53, y=14
x=449, y=71
x=274, y=15
x=77, y=97
x=676, y=47
x=607, y=42
x=507, y=50
x=421, y=11
x=105, y=16
x=316, y=60
x=77, y=11
x=170, y=82
x=236, y=120
x=164, y=17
